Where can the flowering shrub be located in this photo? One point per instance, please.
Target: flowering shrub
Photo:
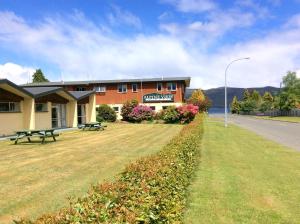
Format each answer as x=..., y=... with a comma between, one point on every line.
x=182, y=114
x=127, y=109
x=187, y=113
x=141, y=113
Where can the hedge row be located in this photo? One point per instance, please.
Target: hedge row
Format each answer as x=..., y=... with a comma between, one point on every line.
x=150, y=190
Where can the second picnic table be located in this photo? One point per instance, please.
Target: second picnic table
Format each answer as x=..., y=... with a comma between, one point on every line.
x=92, y=126
x=42, y=134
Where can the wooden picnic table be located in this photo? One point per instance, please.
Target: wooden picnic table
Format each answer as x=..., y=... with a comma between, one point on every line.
x=42, y=134
x=92, y=126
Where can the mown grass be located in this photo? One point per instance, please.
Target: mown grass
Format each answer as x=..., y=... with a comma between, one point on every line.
x=281, y=118
x=244, y=178
x=37, y=179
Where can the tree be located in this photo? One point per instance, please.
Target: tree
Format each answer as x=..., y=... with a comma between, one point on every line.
x=256, y=96
x=199, y=99
x=292, y=84
x=267, y=102
x=235, y=106
x=38, y=76
x=267, y=97
x=286, y=101
x=248, y=106
x=246, y=95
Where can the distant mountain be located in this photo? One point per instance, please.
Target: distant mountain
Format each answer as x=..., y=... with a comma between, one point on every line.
x=217, y=94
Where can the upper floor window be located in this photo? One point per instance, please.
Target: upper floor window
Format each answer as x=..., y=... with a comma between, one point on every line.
x=41, y=107
x=80, y=89
x=159, y=86
x=10, y=107
x=171, y=86
x=100, y=89
x=122, y=88
x=134, y=87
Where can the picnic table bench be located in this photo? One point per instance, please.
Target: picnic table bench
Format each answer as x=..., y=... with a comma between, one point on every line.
x=42, y=134
x=92, y=126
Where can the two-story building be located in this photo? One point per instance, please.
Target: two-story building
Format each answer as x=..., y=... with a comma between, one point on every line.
x=158, y=93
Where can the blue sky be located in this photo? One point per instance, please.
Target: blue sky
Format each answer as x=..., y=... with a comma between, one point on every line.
x=79, y=40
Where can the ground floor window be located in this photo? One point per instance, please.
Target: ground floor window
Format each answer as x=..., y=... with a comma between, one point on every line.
x=152, y=108
x=41, y=107
x=81, y=114
x=10, y=107
x=165, y=107
x=116, y=109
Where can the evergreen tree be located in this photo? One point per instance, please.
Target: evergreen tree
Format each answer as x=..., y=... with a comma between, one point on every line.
x=267, y=97
x=38, y=76
x=235, y=106
x=246, y=95
x=255, y=96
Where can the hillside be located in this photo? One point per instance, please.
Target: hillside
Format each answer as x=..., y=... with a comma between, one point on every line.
x=217, y=94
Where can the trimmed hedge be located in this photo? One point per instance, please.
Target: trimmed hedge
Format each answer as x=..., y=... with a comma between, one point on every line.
x=150, y=190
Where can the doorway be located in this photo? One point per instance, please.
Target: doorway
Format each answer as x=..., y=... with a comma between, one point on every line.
x=58, y=114
x=81, y=118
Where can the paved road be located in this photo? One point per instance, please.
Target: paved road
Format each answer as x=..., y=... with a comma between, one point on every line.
x=285, y=133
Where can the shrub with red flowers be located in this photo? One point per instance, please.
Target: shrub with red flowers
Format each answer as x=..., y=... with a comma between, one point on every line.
x=187, y=113
x=182, y=114
x=141, y=113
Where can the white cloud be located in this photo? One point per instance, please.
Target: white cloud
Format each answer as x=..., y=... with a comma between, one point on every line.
x=120, y=16
x=89, y=51
x=194, y=6
x=16, y=73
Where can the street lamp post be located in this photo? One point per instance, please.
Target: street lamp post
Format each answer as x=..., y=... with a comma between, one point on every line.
x=239, y=59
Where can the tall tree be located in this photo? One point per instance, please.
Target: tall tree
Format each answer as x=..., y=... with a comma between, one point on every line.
x=199, y=99
x=38, y=76
x=255, y=96
x=267, y=102
x=267, y=97
x=246, y=95
x=235, y=106
x=292, y=84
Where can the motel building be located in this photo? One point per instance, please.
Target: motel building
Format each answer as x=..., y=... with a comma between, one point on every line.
x=71, y=103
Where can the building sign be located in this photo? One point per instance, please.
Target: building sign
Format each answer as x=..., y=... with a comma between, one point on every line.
x=157, y=97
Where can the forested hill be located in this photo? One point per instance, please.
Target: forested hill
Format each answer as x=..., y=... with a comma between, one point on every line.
x=217, y=94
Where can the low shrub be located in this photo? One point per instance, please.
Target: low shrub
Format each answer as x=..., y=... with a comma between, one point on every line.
x=127, y=109
x=150, y=190
x=182, y=114
x=106, y=113
x=141, y=113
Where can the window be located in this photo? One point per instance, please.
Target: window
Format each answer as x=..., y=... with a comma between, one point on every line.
x=116, y=109
x=10, y=107
x=41, y=107
x=165, y=107
x=80, y=89
x=122, y=88
x=100, y=89
x=159, y=86
x=152, y=108
x=171, y=86
x=134, y=87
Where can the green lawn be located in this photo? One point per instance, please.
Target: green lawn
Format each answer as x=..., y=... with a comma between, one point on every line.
x=36, y=179
x=244, y=178
x=281, y=118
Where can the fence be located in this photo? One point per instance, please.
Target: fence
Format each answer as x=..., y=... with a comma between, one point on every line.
x=291, y=113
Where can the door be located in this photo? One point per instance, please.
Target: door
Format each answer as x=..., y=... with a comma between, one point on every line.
x=81, y=114
x=58, y=115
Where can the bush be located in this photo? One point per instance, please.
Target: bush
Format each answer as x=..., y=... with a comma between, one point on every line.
x=141, y=113
x=187, y=113
x=182, y=114
x=170, y=115
x=106, y=113
x=127, y=109
x=144, y=192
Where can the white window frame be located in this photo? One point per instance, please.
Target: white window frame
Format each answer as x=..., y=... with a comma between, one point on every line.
x=122, y=87
x=100, y=89
x=118, y=109
x=161, y=86
x=171, y=84
x=80, y=88
x=12, y=107
x=137, y=87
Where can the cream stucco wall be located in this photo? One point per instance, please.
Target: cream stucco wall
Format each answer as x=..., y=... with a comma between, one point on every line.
x=72, y=114
x=91, y=109
x=43, y=119
x=11, y=122
x=28, y=113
